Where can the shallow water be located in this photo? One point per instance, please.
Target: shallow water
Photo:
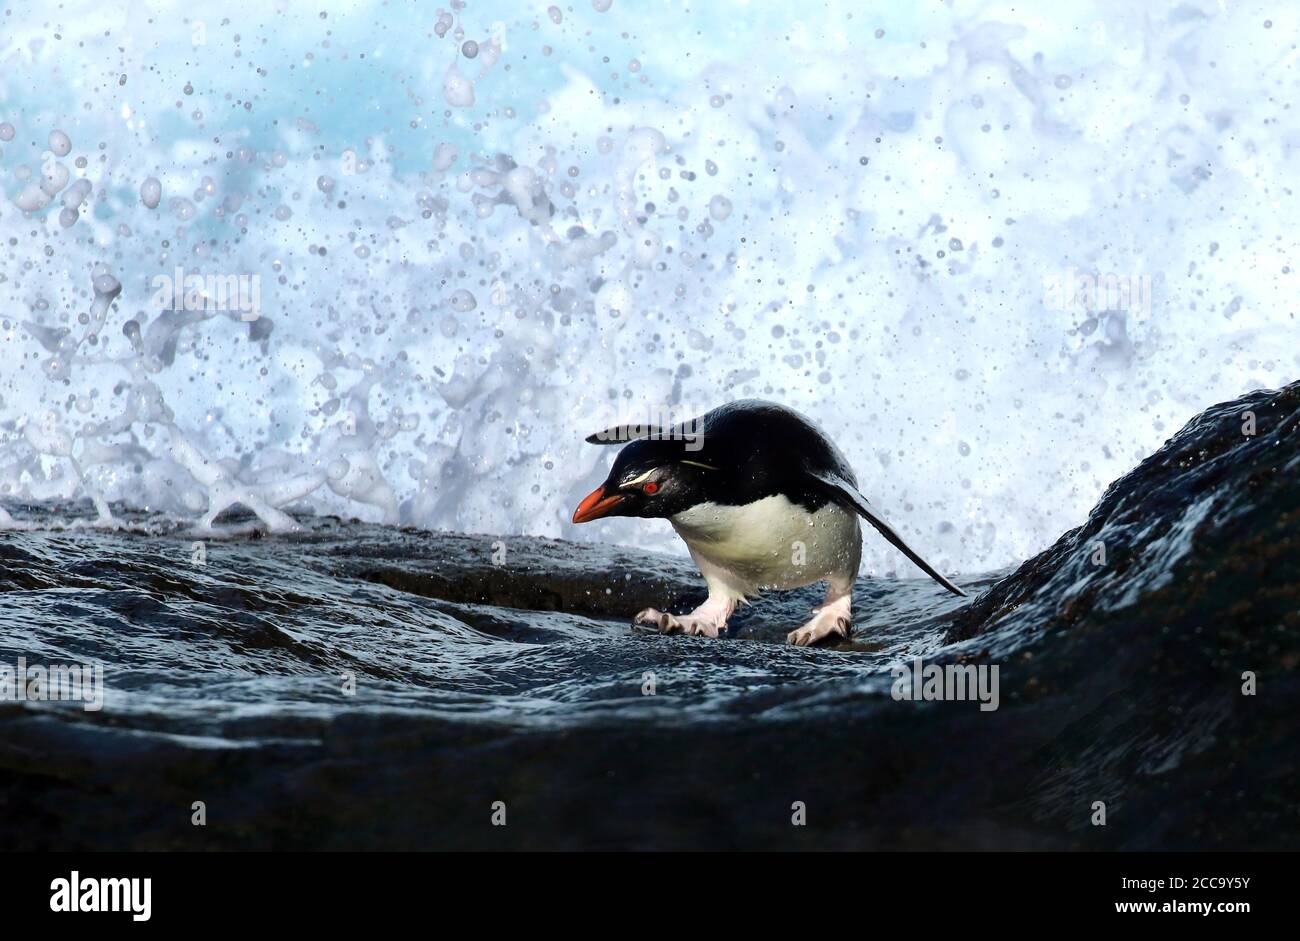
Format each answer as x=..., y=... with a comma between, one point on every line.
x=262, y=632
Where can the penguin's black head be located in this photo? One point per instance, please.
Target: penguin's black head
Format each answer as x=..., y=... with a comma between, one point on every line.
x=650, y=478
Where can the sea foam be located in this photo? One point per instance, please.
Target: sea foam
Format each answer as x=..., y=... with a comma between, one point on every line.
x=483, y=232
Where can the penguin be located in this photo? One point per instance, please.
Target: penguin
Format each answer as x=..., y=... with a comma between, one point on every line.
x=763, y=500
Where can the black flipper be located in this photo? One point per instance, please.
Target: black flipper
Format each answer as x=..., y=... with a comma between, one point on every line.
x=845, y=494
x=622, y=434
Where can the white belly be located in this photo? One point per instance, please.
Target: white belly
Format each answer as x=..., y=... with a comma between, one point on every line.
x=773, y=543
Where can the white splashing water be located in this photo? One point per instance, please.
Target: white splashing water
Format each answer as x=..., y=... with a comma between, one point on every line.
x=477, y=234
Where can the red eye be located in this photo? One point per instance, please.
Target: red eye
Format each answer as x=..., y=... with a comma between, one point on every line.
x=650, y=488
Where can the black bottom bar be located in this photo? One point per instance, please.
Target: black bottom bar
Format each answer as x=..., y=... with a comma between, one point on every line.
x=331, y=891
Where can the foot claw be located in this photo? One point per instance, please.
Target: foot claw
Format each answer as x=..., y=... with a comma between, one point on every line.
x=657, y=618
x=818, y=629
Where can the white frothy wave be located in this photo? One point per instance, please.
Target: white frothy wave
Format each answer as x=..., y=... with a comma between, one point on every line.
x=481, y=235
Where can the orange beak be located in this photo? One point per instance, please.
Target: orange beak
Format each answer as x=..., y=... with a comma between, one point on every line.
x=596, y=505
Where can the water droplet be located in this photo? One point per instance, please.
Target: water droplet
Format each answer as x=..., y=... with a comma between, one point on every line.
x=151, y=193
x=60, y=144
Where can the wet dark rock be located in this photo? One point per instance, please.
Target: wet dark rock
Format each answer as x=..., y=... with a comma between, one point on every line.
x=504, y=668
x=523, y=572
x=1207, y=528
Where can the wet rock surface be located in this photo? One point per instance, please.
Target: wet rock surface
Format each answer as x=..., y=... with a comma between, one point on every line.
x=365, y=687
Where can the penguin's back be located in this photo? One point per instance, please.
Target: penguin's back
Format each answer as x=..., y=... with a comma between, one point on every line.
x=762, y=449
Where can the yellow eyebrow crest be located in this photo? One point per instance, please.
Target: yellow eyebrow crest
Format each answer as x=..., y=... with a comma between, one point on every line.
x=641, y=479
x=698, y=464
